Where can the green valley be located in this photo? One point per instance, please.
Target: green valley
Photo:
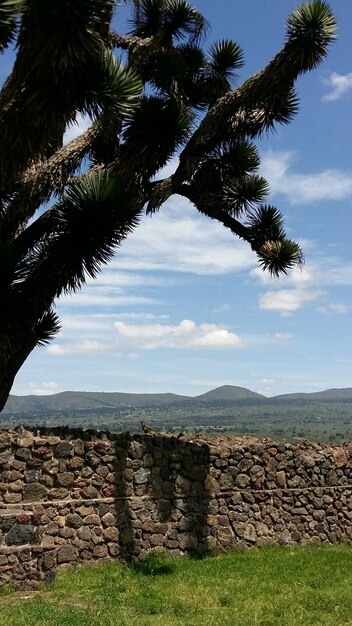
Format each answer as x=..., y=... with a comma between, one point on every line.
x=323, y=416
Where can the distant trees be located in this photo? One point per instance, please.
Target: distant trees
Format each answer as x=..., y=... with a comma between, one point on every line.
x=65, y=208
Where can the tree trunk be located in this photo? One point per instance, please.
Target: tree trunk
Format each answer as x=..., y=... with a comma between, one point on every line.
x=9, y=366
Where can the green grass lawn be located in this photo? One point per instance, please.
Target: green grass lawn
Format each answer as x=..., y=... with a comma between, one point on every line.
x=269, y=587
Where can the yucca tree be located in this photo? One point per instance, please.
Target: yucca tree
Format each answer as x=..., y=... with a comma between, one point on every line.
x=65, y=208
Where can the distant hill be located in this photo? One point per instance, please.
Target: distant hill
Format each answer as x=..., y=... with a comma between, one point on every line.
x=324, y=416
x=328, y=394
x=78, y=400
x=230, y=392
x=70, y=401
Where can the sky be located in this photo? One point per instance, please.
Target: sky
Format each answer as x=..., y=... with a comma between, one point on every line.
x=183, y=306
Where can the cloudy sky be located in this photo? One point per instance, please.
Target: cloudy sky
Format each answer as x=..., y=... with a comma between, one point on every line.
x=183, y=306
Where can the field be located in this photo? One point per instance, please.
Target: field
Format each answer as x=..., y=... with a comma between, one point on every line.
x=274, y=586
x=317, y=420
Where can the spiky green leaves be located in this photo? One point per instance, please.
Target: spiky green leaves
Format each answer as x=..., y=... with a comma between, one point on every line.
x=278, y=257
x=9, y=10
x=265, y=224
x=181, y=21
x=276, y=253
x=114, y=90
x=78, y=235
x=47, y=327
x=244, y=193
x=63, y=34
x=227, y=178
x=310, y=29
x=158, y=127
x=224, y=58
x=178, y=72
x=227, y=187
x=168, y=20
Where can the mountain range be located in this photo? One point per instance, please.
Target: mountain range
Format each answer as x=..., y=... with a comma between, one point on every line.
x=80, y=400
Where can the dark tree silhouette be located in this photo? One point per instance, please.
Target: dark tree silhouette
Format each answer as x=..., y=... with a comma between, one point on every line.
x=59, y=225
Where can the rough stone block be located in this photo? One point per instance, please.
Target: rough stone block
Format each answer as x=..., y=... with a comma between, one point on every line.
x=20, y=534
x=67, y=554
x=33, y=492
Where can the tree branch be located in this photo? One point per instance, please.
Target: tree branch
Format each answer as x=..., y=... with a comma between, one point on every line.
x=43, y=179
x=256, y=105
x=236, y=227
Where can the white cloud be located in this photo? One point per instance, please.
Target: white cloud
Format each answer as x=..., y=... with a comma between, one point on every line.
x=118, y=281
x=223, y=308
x=134, y=356
x=187, y=334
x=176, y=240
x=179, y=239
x=339, y=83
x=217, y=338
x=334, y=271
x=38, y=388
x=267, y=381
x=265, y=392
x=287, y=301
x=328, y=271
x=140, y=316
x=284, y=337
x=86, y=346
x=74, y=130
x=297, y=277
x=94, y=322
x=300, y=188
x=338, y=307
x=299, y=287
x=92, y=297
x=334, y=307
x=99, y=323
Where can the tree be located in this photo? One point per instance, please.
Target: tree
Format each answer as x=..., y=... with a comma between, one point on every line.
x=65, y=208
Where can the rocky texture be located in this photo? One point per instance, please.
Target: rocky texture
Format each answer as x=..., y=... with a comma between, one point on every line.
x=72, y=496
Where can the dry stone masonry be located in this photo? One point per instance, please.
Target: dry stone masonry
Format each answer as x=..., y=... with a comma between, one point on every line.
x=70, y=496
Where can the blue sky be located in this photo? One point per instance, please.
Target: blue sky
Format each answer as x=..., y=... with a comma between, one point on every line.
x=183, y=306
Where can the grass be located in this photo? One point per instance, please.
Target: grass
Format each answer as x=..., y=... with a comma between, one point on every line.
x=268, y=587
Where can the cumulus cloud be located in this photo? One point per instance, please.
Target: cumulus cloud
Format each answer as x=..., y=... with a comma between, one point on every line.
x=287, y=301
x=187, y=334
x=298, y=287
x=300, y=188
x=339, y=85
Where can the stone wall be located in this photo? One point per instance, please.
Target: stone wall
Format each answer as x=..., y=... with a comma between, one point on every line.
x=70, y=496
